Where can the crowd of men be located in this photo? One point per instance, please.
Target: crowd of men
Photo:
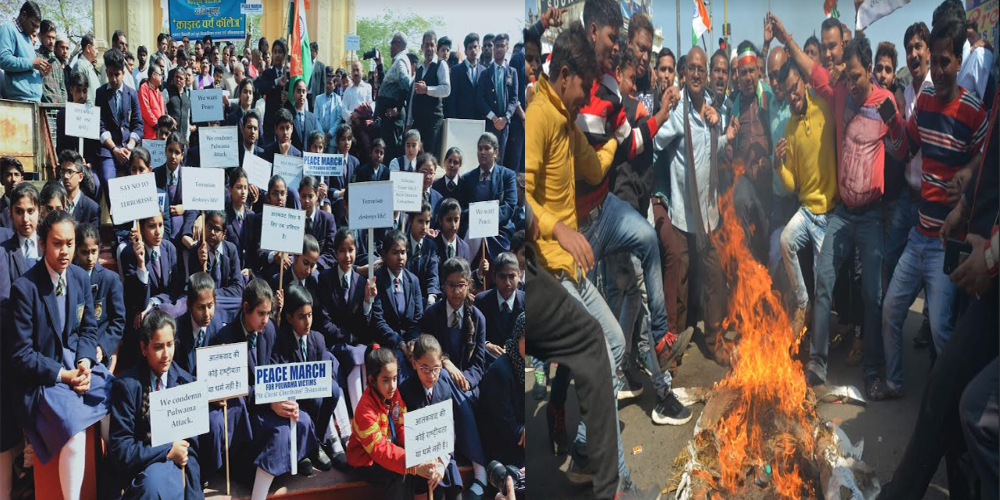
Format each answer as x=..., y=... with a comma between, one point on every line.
x=96, y=316
x=855, y=190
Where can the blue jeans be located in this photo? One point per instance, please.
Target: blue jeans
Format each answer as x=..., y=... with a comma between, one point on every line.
x=920, y=267
x=901, y=220
x=587, y=295
x=804, y=227
x=619, y=228
x=844, y=231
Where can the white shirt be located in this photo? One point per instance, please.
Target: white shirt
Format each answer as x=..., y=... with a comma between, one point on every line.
x=128, y=80
x=60, y=299
x=488, y=173
x=914, y=170
x=196, y=329
x=354, y=96
x=451, y=314
x=409, y=166
x=975, y=72
x=75, y=202
x=32, y=252
x=509, y=301
x=152, y=380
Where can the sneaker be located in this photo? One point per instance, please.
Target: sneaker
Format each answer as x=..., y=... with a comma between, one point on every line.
x=540, y=389
x=672, y=346
x=579, y=475
x=671, y=412
x=628, y=386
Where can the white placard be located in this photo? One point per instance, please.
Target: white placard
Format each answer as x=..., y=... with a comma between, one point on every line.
x=178, y=413
x=484, y=219
x=322, y=165
x=429, y=433
x=203, y=188
x=352, y=42
x=252, y=9
x=223, y=370
x=157, y=152
x=83, y=120
x=206, y=106
x=407, y=191
x=463, y=134
x=289, y=168
x=283, y=229
x=258, y=170
x=370, y=204
x=296, y=381
x=218, y=147
x=133, y=197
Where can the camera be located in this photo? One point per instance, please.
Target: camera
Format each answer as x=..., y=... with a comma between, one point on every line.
x=371, y=54
x=497, y=474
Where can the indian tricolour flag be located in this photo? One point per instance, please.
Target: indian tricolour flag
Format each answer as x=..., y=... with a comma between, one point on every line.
x=298, y=46
x=700, y=23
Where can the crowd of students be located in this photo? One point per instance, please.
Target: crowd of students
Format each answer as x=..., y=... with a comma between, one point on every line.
x=436, y=317
x=846, y=183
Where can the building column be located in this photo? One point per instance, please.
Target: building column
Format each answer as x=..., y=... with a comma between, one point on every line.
x=139, y=19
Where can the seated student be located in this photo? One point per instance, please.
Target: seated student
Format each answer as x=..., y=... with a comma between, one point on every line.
x=376, y=446
x=10, y=431
x=447, y=184
x=303, y=271
x=490, y=182
x=374, y=170
x=153, y=279
x=109, y=301
x=449, y=244
x=459, y=326
x=319, y=224
x=249, y=133
x=169, y=180
x=164, y=126
x=52, y=197
x=140, y=163
x=53, y=350
x=72, y=171
x=265, y=263
x=11, y=174
x=501, y=416
x=297, y=342
x=220, y=259
x=22, y=250
x=238, y=216
x=422, y=255
x=427, y=164
x=142, y=470
x=399, y=295
x=316, y=143
x=346, y=306
x=343, y=140
x=501, y=305
x=77, y=85
x=411, y=148
x=431, y=386
x=281, y=145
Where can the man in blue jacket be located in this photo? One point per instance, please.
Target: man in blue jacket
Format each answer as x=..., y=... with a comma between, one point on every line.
x=22, y=68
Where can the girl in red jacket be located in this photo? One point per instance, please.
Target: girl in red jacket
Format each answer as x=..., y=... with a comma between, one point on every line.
x=375, y=449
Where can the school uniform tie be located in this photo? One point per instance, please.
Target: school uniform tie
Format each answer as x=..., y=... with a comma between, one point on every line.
x=456, y=319
x=29, y=255
x=159, y=384
x=501, y=100
x=450, y=251
x=430, y=394
x=154, y=257
x=238, y=225
x=70, y=207
x=253, y=340
x=397, y=293
x=118, y=105
x=419, y=254
x=201, y=337
x=504, y=316
x=452, y=185
x=302, y=347
x=309, y=225
x=346, y=284
x=61, y=304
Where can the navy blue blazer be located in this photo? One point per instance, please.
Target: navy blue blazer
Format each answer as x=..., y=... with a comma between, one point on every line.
x=228, y=277
x=233, y=333
x=241, y=238
x=366, y=173
x=441, y=186
x=129, y=449
x=434, y=197
x=121, y=123
x=424, y=266
x=87, y=211
x=324, y=228
x=461, y=103
x=415, y=397
x=124, y=231
x=311, y=283
x=292, y=201
x=109, y=309
x=300, y=135
x=340, y=321
x=486, y=92
x=12, y=253
x=503, y=187
x=391, y=327
x=287, y=349
x=167, y=289
x=36, y=346
x=257, y=151
x=501, y=416
x=461, y=250
x=187, y=226
x=5, y=234
x=488, y=303
x=184, y=352
x=470, y=359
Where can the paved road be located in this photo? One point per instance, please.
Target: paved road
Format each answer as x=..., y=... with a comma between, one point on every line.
x=885, y=426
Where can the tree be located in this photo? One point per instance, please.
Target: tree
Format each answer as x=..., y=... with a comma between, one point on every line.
x=377, y=31
x=73, y=18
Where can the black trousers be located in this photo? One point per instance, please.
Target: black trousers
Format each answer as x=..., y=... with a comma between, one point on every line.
x=972, y=346
x=396, y=486
x=559, y=330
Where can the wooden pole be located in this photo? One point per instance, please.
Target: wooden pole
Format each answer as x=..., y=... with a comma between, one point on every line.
x=485, y=278
x=81, y=146
x=371, y=253
x=184, y=479
x=293, y=445
x=204, y=222
x=281, y=285
x=225, y=425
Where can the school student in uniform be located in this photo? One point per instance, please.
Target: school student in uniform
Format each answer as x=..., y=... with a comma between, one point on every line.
x=168, y=179
x=303, y=271
x=52, y=197
x=10, y=431
x=399, y=295
x=319, y=223
x=141, y=163
x=77, y=85
x=343, y=139
x=346, y=305
x=121, y=119
x=282, y=145
x=221, y=261
x=427, y=165
x=298, y=343
x=501, y=305
x=447, y=184
x=22, y=250
x=374, y=170
x=238, y=215
x=53, y=350
x=411, y=148
x=265, y=262
x=71, y=171
x=501, y=415
x=377, y=438
x=421, y=253
x=460, y=328
x=449, y=243
x=153, y=279
x=167, y=471
x=490, y=182
x=106, y=287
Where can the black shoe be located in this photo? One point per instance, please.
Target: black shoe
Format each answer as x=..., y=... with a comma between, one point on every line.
x=470, y=495
x=322, y=460
x=671, y=412
x=306, y=467
x=339, y=461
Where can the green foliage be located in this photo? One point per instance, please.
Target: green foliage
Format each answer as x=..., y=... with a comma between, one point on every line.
x=377, y=31
x=73, y=18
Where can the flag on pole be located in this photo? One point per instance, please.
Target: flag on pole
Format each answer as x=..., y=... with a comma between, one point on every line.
x=830, y=9
x=298, y=46
x=700, y=23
